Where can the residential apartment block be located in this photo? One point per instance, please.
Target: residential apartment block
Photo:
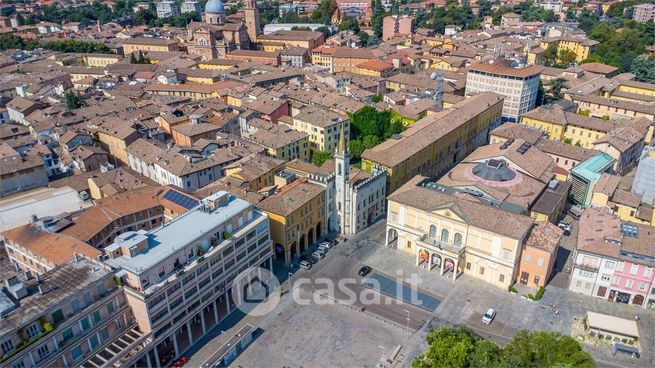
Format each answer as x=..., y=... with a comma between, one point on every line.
x=322, y=127
x=614, y=260
x=179, y=283
x=60, y=317
x=518, y=85
x=643, y=13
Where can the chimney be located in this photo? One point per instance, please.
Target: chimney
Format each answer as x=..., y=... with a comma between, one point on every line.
x=195, y=119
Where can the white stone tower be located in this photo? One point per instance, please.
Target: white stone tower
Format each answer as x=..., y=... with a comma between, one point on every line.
x=341, y=181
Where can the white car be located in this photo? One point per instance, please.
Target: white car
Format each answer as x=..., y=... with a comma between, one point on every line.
x=325, y=244
x=319, y=255
x=488, y=316
x=305, y=264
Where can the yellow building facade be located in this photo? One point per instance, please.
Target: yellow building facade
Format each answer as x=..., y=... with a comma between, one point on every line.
x=581, y=47
x=297, y=217
x=434, y=144
x=450, y=234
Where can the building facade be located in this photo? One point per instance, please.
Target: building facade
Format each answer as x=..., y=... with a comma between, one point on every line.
x=436, y=143
x=456, y=235
x=518, y=85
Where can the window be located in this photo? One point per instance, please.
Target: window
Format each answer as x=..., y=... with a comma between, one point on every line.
x=468, y=266
x=110, y=307
x=7, y=347
x=444, y=235
x=77, y=352
x=96, y=315
x=67, y=334
x=506, y=253
x=540, y=262
x=32, y=330
x=628, y=283
x=57, y=316
x=619, y=266
x=19, y=364
x=481, y=270
x=501, y=278
x=642, y=286
x=647, y=271
x=616, y=280
x=409, y=244
x=85, y=324
x=43, y=351
x=433, y=231
x=610, y=264
x=605, y=277
x=458, y=239
x=634, y=268
x=93, y=342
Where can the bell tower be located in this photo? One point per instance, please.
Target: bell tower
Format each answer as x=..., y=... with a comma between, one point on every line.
x=252, y=19
x=341, y=182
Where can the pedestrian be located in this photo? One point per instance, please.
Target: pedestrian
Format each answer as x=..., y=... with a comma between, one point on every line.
x=557, y=312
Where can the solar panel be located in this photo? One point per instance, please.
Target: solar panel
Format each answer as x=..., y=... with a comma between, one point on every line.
x=181, y=199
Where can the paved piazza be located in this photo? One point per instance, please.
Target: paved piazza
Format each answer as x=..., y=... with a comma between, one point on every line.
x=344, y=336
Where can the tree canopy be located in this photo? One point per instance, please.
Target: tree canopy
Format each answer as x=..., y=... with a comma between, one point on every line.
x=319, y=157
x=369, y=127
x=460, y=347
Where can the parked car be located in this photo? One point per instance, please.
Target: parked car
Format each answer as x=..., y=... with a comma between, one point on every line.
x=489, y=316
x=325, y=244
x=313, y=259
x=323, y=248
x=305, y=264
x=364, y=271
x=304, y=258
x=565, y=226
x=318, y=255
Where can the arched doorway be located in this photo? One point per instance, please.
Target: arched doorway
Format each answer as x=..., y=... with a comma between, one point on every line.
x=319, y=226
x=436, y=260
x=638, y=300
x=292, y=252
x=423, y=255
x=392, y=238
x=448, y=265
x=302, y=243
x=310, y=237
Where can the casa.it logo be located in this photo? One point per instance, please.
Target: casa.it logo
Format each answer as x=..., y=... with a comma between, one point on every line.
x=256, y=291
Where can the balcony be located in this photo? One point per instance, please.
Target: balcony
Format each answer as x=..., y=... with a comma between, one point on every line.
x=586, y=267
x=441, y=247
x=120, y=351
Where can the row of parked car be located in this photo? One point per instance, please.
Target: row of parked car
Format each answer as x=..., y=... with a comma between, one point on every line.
x=307, y=261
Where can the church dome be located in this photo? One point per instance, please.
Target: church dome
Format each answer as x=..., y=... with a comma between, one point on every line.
x=494, y=171
x=214, y=6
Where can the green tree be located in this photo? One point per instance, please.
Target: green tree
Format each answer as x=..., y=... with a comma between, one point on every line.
x=550, y=55
x=555, y=91
x=74, y=100
x=349, y=24
x=545, y=349
x=460, y=347
x=377, y=17
x=566, y=57
x=356, y=148
x=325, y=30
x=319, y=157
x=643, y=69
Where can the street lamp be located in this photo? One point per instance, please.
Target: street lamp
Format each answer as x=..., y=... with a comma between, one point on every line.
x=407, y=321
